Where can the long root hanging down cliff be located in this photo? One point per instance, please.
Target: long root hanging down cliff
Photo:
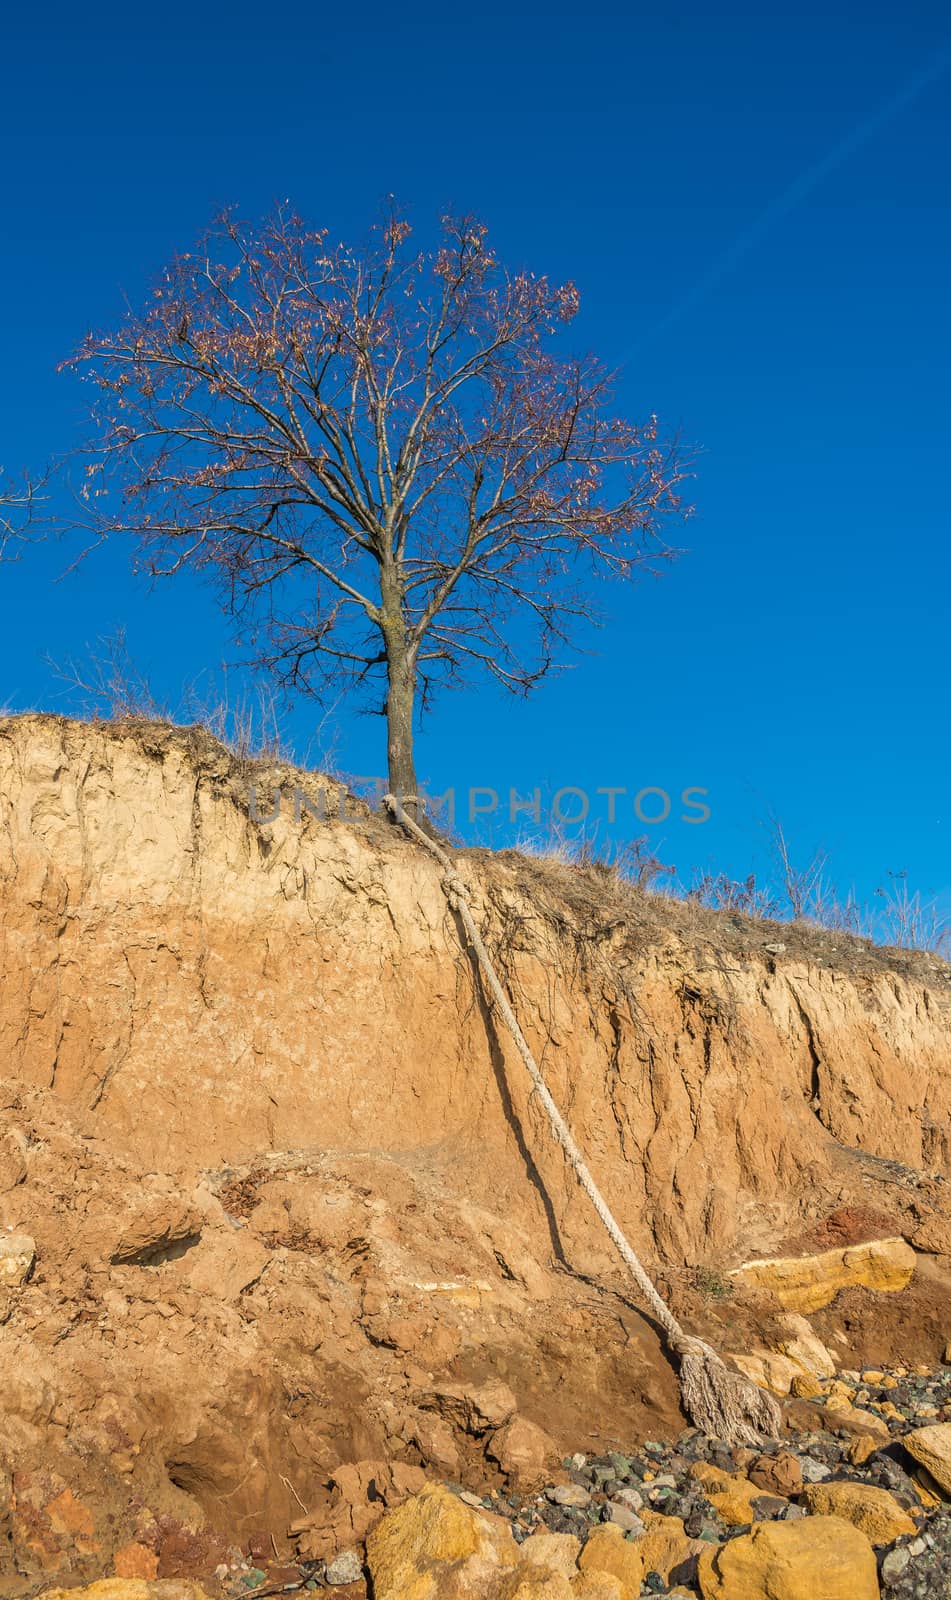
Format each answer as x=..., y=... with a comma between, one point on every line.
x=719, y=1401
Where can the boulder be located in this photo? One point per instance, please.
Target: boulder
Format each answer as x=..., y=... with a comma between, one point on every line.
x=873, y=1510
x=553, y=1552
x=931, y=1448
x=819, y=1558
x=476, y=1409
x=434, y=1545
x=665, y=1544
x=779, y=1474
x=131, y=1589
x=607, y=1551
x=523, y=1451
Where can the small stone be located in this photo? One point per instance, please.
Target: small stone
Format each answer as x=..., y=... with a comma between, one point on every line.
x=624, y=1517
x=766, y=1507
x=812, y=1471
x=894, y=1565
x=629, y=1498
x=345, y=1567
x=569, y=1494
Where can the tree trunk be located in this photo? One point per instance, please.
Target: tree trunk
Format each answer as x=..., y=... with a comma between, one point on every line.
x=400, y=694
x=400, y=697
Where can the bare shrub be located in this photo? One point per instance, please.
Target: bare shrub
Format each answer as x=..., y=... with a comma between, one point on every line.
x=109, y=685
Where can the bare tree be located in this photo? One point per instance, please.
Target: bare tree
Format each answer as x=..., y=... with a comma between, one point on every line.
x=18, y=507
x=376, y=456
x=802, y=885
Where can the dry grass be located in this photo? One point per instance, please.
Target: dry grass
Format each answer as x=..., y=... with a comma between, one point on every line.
x=588, y=902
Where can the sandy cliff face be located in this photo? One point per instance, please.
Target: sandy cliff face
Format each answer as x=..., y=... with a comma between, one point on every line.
x=198, y=988
x=285, y=1179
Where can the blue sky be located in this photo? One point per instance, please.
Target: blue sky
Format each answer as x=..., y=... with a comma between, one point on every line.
x=753, y=203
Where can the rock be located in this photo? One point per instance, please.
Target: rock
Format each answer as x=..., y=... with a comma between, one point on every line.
x=730, y=1493
x=569, y=1494
x=436, y=1443
x=135, y=1560
x=553, y=1552
x=624, y=1517
x=818, y=1557
x=12, y=1160
x=801, y=1344
x=873, y=1510
x=931, y=1447
x=630, y=1498
x=779, y=1474
x=433, y=1545
x=767, y=1506
x=131, y=1589
x=807, y=1283
x=665, y=1544
x=863, y=1446
x=523, y=1451
x=767, y=1368
x=532, y=1583
x=894, y=1565
x=346, y=1567
x=805, y=1386
x=17, y=1255
x=477, y=1409
x=596, y=1586
x=607, y=1551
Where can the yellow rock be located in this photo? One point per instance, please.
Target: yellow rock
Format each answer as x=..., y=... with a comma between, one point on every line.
x=596, y=1586
x=820, y=1558
x=665, y=1543
x=531, y=1583
x=767, y=1368
x=555, y=1552
x=805, y=1386
x=875, y=1511
x=932, y=1448
x=607, y=1550
x=131, y=1589
x=888, y=1409
x=872, y=1375
x=806, y=1283
x=435, y=1545
x=863, y=1446
x=926, y=1489
x=729, y=1493
x=888, y=1382
x=733, y=1509
x=800, y=1343
x=705, y=1472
